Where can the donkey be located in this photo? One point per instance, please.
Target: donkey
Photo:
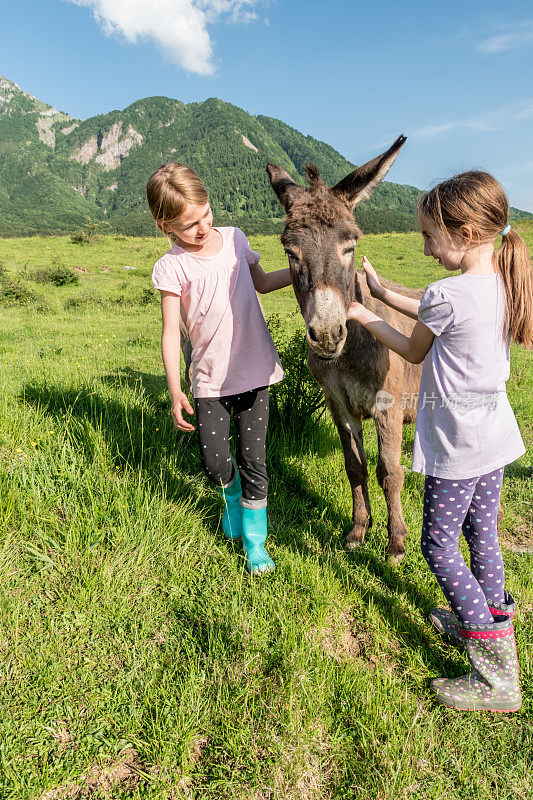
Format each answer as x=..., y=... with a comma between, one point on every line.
x=359, y=376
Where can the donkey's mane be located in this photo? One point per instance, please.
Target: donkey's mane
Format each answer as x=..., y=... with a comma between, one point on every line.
x=314, y=181
x=317, y=204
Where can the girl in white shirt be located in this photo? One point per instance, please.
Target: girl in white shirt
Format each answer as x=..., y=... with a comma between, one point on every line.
x=465, y=428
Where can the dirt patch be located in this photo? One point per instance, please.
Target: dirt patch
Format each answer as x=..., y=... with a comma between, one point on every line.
x=183, y=788
x=345, y=636
x=197, y=748
x=10, y=458
x=61, y=734
x=126, y=773
x=520, y=539
x=308, y=769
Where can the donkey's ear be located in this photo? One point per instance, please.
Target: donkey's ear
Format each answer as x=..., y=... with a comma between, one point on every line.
x=284, y=186
x=359, y=184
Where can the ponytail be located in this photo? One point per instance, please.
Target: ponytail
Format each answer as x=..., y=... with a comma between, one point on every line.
x=514, y=265
x=476, y=198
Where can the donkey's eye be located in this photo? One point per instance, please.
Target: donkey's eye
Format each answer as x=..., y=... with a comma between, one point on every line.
x=293, y=259
x=349, y=249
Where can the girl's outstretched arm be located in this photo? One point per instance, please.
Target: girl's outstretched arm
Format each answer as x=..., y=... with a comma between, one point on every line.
x=265, y=282
x=406, y=305
x=170, y=348
x=413, y=348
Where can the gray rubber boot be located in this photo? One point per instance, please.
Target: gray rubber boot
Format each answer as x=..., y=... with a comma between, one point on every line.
x=447, y=623
x=493, y=685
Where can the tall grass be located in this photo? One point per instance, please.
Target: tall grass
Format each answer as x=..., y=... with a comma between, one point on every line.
x=129, y=630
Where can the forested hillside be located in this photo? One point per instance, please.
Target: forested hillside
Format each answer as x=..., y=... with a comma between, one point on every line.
x=58, y=173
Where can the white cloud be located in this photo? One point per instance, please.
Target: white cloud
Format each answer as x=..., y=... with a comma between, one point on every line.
x=178, y=27
x=516, y=36
x=498, y=120
x=233, y=10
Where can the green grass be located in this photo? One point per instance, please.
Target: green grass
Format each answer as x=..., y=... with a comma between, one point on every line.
x=127, y=623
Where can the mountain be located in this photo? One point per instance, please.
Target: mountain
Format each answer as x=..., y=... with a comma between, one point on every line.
x=57, y=172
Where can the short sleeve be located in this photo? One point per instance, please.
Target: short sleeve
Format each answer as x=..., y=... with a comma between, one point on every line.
x=436, y=311
x=164, y=277
x=252, y=256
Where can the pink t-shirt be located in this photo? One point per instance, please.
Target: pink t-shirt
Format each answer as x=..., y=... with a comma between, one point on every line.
x=232, y=350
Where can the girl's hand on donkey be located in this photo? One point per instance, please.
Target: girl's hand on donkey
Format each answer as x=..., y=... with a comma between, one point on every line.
x=372, y=279
x=355, y=311
x=180, y=404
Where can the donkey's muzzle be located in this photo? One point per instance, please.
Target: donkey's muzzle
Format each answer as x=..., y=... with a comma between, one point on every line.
x=325, y=317
x=327, y=342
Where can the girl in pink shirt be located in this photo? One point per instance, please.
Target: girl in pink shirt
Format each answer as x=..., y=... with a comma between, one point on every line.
x=208, y=280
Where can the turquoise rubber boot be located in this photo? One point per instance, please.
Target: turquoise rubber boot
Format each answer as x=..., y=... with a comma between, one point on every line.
x=232, y=518
x=254, y=534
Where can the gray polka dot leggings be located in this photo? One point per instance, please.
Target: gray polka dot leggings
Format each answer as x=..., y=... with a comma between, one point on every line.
x=473, y=506
x=250, y=413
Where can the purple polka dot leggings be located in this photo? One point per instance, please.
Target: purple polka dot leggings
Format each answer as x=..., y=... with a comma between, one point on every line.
x=472, y=505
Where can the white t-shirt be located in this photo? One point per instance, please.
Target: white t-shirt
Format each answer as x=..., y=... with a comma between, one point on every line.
x=465, y=426
x=232, y=348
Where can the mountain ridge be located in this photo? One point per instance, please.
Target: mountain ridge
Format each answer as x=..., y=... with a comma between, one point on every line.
x=57, y=172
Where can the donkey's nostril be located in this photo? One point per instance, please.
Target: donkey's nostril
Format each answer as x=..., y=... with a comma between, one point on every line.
x=338, y=333
x=312, y=334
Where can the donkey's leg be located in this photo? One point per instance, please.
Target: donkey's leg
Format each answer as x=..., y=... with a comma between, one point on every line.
x=390, y=475
x=351, y=436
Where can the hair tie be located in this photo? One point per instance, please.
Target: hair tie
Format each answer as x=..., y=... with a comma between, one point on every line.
x=505, y=230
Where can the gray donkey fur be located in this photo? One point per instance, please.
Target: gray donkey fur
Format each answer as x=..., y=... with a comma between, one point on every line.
x=360, y=377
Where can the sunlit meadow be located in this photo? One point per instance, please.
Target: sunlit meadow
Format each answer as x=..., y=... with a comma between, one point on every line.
x=131, y=637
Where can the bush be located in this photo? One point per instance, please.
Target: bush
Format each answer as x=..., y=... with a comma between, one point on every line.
x=84, y=300
x=148, y=296
x=123, y=301
x=89, y=233
x=297, y=399
x=57, y=274
x=81, y=237
x=14, y=293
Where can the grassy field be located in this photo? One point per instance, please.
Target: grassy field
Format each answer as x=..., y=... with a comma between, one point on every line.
x=137, y=660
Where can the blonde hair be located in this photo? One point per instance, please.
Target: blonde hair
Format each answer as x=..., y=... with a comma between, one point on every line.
x=477, y=199
x=169, y=190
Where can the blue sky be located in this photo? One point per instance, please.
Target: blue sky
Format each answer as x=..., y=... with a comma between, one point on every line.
x=457, y=78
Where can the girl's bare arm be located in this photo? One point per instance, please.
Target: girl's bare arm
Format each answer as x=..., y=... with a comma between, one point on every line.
x=406, y=305
x=265, y=282
x=170, y=348
x=413, y=348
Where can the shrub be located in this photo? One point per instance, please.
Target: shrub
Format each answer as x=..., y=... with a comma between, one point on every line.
x=57, y=274
x=297, y=399
x=89, y=233
x=84, y=300
x=81, y=237
x=14, y=293
x=147, y=297
x=123, y=301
